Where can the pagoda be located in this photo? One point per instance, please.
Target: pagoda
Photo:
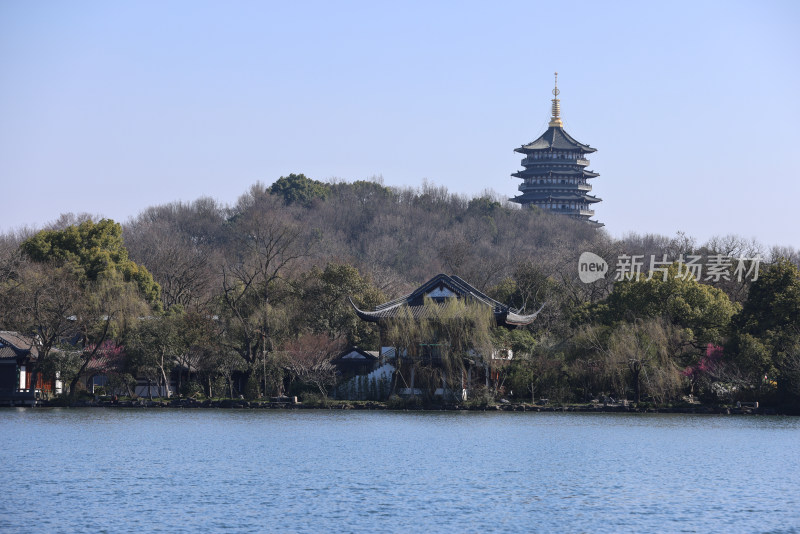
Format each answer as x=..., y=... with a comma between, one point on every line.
x=555, y=176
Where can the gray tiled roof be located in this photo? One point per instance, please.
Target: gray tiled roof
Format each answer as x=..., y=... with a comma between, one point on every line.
x=367, y=355
x=576, y=196
x=15, y=345
x=414, y=303
x=533, y=171
x=555, y=138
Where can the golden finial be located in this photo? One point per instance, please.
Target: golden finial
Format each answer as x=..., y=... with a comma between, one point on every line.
x=556, y=119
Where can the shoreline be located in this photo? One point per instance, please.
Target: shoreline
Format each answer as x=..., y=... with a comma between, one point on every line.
x=241, y=404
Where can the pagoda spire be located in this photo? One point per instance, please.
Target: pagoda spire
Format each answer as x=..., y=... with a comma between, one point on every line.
x=555, y=120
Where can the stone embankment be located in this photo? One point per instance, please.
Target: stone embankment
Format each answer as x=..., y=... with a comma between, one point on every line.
x=292, y=403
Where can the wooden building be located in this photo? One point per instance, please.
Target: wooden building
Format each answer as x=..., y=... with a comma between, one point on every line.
x=556, y=177
x=17, y=355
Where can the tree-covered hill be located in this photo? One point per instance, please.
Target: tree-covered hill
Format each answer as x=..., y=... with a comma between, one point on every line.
x=235, y=290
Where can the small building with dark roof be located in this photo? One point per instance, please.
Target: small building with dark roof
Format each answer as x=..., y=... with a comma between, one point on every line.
x=361, y=375
x=17, y=353
x=356, y=361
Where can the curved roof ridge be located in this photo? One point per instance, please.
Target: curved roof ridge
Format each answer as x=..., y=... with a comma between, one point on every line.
x=548, y=140
x=502, y=312
x=477, y=292
x=392, y=303
x=363, y=315
x=534, y=171
x=587, y=148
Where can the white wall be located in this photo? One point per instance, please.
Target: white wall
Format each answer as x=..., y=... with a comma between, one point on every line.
x=384, y=372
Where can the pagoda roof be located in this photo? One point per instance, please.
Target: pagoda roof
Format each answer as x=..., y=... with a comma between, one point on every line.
x=557, y=197
x=555, y=138
x=546, y=171
x=440, y=288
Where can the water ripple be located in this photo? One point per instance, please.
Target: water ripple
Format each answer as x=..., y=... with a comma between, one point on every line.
x=256, y=471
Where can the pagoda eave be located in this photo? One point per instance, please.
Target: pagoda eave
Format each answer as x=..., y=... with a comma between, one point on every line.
x=568, y=173
x=577, y=197
x=556, y=138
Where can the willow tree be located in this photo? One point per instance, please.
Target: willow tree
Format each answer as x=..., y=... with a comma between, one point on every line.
x=440, y=342
x=642, y=349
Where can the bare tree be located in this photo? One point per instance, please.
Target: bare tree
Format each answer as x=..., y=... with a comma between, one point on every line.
x=45, y=303
x=309, y=360
x=268, y=244
x=182, y=268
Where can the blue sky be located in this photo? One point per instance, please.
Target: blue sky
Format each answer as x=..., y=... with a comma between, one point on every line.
x=110, y=107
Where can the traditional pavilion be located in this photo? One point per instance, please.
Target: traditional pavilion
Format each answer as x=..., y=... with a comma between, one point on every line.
x=479, y=369
x=555, y=176
x=438, y=289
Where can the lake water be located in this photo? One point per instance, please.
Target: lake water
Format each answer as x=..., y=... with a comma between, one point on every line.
x=116, y=470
